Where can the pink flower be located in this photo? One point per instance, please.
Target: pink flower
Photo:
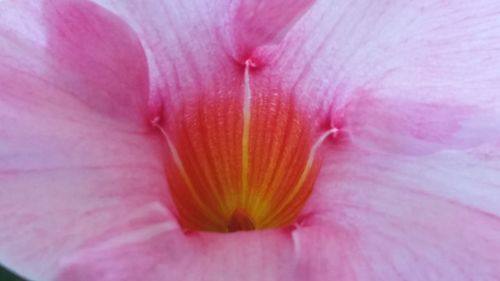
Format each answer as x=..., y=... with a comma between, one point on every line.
x=361, y=138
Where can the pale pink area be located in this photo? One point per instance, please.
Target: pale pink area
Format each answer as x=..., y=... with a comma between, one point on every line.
x=76, y=158
x=265, y=256
x=377, y=216
x=424, y=51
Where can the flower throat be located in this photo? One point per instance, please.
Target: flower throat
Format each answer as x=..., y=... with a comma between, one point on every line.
x=240, y=161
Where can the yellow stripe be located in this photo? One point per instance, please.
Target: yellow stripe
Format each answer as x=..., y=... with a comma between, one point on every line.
x=245, y=143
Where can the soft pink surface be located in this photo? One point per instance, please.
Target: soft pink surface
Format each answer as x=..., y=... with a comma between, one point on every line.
x=198, y=256
x=422, y=51
x=409, y=85
x=76, y=158
x=379, y=216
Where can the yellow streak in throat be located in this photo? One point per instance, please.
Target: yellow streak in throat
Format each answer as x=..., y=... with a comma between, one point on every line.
x=245, y=162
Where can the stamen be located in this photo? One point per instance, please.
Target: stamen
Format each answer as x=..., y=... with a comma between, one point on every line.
x=240, y=220
x=305, y=173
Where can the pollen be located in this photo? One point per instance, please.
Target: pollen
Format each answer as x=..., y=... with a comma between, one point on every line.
x=240, y=161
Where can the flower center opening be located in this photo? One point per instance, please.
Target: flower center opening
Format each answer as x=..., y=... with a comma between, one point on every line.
x=241, y=161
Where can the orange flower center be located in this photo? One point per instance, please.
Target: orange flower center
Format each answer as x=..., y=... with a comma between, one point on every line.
x=240, y=162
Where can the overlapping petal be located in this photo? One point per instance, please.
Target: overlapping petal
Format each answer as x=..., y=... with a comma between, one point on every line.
x=378, y=216
x=183, y=45
x=77, y=158
x=412, y=58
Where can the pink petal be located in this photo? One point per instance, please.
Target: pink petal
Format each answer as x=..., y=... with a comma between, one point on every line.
x=118, y=73
x=152, y=255
x=76, y=159
x=377, y=216
x=426, y=52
